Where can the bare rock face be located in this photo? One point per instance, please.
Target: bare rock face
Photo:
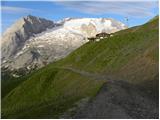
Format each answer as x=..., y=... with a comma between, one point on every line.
x=34, y=42
x=15, y=37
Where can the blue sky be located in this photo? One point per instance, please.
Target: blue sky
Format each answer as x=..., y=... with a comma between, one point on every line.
x=137, y=12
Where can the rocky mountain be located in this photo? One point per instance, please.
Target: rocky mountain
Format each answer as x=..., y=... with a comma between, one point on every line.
x=34, y=42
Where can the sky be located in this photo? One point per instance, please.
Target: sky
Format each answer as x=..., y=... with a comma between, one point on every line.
x=137, y=12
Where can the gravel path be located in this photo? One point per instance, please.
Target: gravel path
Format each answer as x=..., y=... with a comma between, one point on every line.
x=88, y=74
x=118, y=99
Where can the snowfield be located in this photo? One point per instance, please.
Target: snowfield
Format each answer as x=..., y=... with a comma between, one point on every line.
x=57, y=42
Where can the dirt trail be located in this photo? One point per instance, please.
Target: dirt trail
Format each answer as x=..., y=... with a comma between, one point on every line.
x=117, y=99
x=89, y=74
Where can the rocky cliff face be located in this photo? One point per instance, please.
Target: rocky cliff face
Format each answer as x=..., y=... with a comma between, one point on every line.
x=16, y=36
x=34, y=42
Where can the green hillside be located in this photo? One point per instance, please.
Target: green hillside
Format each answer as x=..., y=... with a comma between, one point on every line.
x=131, y=55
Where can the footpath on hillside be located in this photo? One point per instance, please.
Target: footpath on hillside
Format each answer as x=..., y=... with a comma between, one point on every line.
x=117, y=99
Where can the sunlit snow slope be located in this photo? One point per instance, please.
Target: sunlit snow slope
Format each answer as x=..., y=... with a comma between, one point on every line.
x=57, y=42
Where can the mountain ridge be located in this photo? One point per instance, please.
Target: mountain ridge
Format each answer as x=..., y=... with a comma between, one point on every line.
x=54, y=40
x=15, y=36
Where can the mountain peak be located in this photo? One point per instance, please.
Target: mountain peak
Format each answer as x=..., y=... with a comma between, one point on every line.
x=15, y=36
x=30, y=16
x=51, y=44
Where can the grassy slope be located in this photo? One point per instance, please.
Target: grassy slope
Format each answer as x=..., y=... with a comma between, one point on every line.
x=130, y=55
x=9, y=82
x=49, y=92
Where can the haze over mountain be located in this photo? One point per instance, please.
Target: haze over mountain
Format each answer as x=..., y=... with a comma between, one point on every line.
x=34, y=42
